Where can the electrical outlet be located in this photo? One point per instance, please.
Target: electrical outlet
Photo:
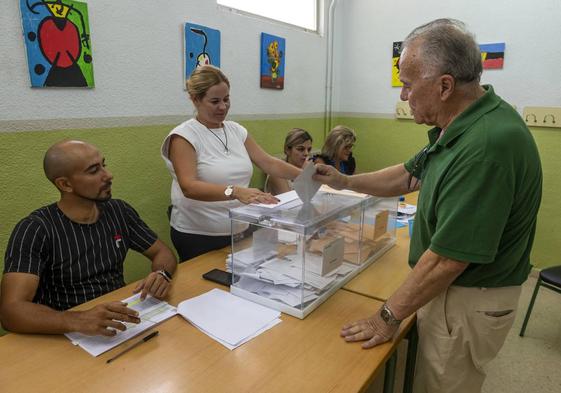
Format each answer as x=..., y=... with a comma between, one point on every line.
x=403, y=111
x=540, y=116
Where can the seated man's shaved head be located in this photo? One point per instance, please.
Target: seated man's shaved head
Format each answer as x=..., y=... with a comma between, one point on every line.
x=62, y=158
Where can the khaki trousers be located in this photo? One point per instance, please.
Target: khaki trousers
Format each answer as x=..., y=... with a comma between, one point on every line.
x=460, y=331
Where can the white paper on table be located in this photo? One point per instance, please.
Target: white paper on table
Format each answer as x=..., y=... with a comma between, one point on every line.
x=232, y=347
x=151, y=312
x=227, y=318
x=406, y=208
x=305, y=186
x=283, y=198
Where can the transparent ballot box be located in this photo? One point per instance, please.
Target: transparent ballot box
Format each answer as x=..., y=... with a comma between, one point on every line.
x=294, y=256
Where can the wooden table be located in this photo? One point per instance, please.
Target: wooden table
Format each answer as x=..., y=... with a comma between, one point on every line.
x=296, y=355
x=380, y=280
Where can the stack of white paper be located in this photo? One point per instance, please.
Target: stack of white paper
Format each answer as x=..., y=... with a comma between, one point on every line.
x=292, y=296
x=291, y=266
x=248, y=257
x=405, y=211
x=151, y=312
x=228, y=319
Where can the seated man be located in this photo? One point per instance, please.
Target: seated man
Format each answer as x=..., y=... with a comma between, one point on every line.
x=72, y=251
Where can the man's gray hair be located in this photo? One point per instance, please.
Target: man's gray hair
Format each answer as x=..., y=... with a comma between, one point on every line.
x=447, y=47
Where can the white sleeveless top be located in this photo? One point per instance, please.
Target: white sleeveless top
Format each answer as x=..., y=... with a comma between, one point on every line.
x=213, y=166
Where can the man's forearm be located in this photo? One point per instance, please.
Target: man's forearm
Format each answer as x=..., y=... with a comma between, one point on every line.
x=387, y=182
x=164, y=260
x=431, y=275
x=27, y=317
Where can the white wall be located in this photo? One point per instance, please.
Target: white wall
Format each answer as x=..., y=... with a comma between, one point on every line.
x=137, y=52
x=365, y=31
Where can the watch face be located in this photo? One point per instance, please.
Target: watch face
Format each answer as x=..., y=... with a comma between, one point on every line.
x=228, y=191
x=385, y=315
x=388, y=317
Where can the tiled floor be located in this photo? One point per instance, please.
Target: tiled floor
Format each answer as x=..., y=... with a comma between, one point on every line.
x=529, y=364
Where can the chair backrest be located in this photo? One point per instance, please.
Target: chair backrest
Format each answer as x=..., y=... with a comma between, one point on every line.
x=552, y=275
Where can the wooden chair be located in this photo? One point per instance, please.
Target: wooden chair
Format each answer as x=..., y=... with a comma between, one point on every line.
x=549, y=278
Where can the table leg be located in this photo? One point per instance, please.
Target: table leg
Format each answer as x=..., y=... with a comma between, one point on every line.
x=412, y=338
x=389, y=376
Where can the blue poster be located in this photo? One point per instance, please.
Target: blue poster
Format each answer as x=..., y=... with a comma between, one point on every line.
x=202, y=46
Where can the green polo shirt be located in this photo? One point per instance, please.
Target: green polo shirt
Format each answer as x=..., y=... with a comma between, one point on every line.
x=481, y=187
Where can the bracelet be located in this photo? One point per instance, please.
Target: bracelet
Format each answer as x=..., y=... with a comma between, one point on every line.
x=164, y=274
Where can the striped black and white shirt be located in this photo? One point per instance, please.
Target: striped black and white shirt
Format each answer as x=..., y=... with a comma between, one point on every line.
x=76, y=262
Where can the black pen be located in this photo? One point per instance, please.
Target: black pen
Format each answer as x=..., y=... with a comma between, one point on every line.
x=136, y=344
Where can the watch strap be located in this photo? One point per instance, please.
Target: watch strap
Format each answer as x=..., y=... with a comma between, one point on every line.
x=165, y=274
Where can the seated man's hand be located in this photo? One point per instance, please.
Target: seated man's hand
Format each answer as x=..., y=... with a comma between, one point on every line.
x=373, y=329
x=326, y=174
x=154, y=284
x=104, y=319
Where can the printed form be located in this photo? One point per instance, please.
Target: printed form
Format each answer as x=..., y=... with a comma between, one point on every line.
x=151, y=312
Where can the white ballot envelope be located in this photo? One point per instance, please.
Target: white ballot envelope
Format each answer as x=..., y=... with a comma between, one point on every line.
x=305, y=186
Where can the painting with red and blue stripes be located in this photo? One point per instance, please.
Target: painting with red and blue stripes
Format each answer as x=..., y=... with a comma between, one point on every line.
x=492, y=55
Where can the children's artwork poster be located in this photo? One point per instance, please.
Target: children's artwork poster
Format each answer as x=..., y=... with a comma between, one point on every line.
x=395, y=64
x=272, y=61
x=57, y=39
x=492, y=55
x=202, y=47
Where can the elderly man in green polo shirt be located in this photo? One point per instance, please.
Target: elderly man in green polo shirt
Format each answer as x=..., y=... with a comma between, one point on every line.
x=480, y=182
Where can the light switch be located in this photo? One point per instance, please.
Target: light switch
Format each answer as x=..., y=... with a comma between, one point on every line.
x=541, y=116
x=402, y=110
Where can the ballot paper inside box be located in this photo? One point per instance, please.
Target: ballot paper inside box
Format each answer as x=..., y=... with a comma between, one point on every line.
x=295, y=256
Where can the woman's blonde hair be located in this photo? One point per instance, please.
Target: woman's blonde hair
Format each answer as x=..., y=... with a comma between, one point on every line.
x=296, y=136
x=338, y=136
x=202, y=79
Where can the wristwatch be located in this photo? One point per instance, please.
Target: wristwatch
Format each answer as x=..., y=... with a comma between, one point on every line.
x=388, y=317
x=229, y=191
x=165, y=274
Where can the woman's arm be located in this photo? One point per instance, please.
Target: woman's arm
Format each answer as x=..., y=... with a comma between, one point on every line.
x=269, y=164
x=184, y=160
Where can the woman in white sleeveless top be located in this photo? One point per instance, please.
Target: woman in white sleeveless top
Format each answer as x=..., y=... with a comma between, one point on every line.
x=297, y=149
x=210, y=161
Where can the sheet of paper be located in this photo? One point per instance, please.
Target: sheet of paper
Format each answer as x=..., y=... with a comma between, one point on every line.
x=226, y=318
x=151, y=312
x=405, y=208
x=283, y=198
x=305, y=186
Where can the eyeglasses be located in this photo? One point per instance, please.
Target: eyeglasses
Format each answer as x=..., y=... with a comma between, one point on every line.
x=419, y=163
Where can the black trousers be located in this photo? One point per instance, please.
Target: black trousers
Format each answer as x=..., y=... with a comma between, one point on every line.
x=190, y=245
